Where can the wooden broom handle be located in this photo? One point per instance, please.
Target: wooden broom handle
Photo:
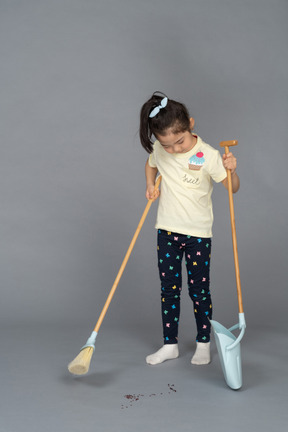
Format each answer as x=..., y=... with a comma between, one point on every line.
x=127, y=256
x=227, y=144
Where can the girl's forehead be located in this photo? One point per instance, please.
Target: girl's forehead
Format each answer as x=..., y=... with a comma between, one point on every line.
x=170, y=137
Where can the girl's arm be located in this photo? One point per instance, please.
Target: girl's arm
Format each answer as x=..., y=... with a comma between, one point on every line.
x=230, y=162
x=151, y=174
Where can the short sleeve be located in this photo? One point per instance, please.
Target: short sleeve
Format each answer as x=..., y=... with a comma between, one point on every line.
x=152, y=161
x=216, y=168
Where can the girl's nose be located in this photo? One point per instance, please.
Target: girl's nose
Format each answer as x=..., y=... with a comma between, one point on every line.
x=177, y=148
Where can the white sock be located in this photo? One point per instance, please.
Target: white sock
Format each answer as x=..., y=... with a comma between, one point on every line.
x=167, y=352
x=202, y=354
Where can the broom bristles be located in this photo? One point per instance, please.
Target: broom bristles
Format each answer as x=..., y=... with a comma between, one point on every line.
x=80, y=365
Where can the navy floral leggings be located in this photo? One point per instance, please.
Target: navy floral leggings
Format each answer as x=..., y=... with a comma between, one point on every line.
x=171, y=248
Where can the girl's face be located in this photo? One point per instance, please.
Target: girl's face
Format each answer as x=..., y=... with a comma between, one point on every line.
x=181, y=142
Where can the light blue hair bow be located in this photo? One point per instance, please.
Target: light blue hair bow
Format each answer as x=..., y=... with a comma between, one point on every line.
x=157, y=109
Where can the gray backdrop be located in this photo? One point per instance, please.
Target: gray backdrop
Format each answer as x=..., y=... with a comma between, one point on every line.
x=74, y=75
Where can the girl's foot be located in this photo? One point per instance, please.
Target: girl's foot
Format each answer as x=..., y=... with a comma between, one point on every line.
x=202, y=354
x=167, y=352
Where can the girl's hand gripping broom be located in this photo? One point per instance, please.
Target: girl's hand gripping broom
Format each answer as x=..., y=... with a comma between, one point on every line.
x=80, y=365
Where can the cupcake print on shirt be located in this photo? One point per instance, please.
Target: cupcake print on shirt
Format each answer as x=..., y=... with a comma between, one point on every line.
x=196, y=161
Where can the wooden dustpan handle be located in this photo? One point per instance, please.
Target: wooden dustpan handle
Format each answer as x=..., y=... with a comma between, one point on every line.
x=126, y=258
x=226, y=145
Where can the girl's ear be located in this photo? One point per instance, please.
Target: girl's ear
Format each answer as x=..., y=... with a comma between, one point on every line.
x=192, y=123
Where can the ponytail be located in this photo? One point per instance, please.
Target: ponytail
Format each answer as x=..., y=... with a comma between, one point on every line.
x=145, y=132
x=174, y=115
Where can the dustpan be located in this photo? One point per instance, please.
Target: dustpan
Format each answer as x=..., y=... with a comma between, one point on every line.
x=228, y=345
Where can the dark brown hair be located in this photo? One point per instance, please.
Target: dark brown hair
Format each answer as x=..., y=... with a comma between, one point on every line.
x=175, y=115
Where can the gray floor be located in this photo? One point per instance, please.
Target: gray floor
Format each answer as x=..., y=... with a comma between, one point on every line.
x=122, y=393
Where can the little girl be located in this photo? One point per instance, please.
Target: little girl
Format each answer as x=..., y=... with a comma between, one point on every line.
x=184, y=219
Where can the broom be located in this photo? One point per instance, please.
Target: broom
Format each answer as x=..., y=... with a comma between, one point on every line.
x=80, y=365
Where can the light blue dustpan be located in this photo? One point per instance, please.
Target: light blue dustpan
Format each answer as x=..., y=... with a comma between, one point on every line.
x=229, y=351
x=227, y=344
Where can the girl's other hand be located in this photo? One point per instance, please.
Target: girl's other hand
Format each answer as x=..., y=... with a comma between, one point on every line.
x=151, y=193
x=229, y=162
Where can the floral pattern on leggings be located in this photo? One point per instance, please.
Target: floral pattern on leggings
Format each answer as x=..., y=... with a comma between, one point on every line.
x=171, y=249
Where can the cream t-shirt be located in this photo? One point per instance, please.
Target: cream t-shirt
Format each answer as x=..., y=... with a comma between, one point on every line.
x=185, y=204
